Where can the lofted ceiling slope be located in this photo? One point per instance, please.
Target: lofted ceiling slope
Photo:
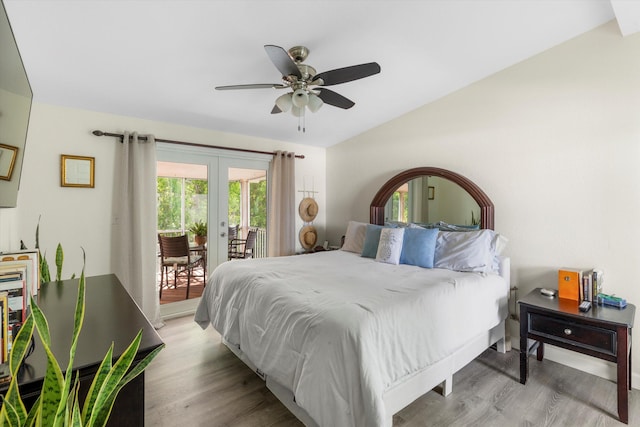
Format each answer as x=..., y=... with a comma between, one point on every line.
x=160, y=60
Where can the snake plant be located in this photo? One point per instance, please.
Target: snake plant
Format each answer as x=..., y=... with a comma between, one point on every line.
x=58, y=403
x=45, y=275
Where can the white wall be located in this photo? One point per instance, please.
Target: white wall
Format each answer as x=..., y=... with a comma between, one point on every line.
x=81, y=217
x=555, y=143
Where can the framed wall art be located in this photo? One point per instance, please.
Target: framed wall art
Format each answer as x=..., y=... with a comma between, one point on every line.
x=8, y=155
x=77, y=171
x=431, y=193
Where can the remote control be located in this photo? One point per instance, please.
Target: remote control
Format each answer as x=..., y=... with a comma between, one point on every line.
x=585, y=306
x=548, y=292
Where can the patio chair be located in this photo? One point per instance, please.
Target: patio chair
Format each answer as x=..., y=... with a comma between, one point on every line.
x=175, y=255
x=243, y=248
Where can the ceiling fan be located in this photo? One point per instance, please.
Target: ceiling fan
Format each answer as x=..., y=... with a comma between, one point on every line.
x=307, y=88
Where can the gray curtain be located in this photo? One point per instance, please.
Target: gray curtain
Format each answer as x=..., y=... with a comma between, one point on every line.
x=134, y=223
x=282, y=210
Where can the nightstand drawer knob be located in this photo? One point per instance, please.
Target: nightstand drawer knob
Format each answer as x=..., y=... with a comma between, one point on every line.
x=568, y=331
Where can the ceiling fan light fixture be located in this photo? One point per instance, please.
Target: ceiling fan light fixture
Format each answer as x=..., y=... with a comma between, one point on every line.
x=284, y=102
x=300, y=98
x=314, y=102
x=297, y=111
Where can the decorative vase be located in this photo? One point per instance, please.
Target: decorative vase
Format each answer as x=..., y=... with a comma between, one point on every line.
x=200, y=240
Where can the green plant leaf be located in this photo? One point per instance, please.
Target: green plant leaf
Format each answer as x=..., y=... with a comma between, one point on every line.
x=134, y=372
x=141, y=366
x=21, y=344
x=18, y=351
x=62, y=412
x=102, y=403
x=77, y=327
x=51, y=393
x=12, y=404
x=76, y=418
x=38, y=233
x=51, y=389
x=96, y=384
x=34, y=412
x=41, y=323
x=9, y=415
x=73, y=406
x=45, y=276
x=59, y=261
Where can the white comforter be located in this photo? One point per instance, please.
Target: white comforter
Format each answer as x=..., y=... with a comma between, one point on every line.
x=338, y=329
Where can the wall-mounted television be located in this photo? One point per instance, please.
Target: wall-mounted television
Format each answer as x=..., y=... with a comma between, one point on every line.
x=15, y=108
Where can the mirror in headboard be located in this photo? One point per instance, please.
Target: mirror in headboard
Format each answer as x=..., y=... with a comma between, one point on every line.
x=426, y=194
x=15, y=107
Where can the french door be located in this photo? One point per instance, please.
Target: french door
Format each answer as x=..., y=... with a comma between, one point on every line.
x=223, y=170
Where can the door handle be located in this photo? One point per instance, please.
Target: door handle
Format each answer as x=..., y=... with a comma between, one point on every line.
x=223, y=234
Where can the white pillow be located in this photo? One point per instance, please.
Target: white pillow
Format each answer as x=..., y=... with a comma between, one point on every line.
x=390, y=245
x=354, y=237
x=466, y=250
x=498, y=244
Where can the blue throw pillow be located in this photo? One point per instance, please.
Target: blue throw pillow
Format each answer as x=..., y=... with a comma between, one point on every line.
x=371, y=240
x=419, y=246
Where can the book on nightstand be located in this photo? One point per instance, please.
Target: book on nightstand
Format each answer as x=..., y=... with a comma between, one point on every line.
x=570, y=283
x=597, y=279
x=587, y=287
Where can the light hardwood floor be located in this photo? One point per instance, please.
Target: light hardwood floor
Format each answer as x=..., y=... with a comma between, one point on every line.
x=197, y=381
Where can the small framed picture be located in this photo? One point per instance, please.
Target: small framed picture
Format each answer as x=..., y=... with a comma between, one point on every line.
x=77, y=171
x=8, y=155
x=431, y=193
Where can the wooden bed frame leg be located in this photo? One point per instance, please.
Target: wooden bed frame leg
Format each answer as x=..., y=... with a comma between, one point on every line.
x=447, y=386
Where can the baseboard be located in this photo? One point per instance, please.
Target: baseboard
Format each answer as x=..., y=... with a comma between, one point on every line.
x=588, y=364
x=179, y=309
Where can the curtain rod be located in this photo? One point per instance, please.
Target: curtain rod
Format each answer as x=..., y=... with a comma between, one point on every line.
x=191, y=144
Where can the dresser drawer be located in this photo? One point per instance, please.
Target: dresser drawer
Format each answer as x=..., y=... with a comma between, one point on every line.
x=580, y=335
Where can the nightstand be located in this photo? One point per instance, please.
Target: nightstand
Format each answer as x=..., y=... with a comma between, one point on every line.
x=602, y=332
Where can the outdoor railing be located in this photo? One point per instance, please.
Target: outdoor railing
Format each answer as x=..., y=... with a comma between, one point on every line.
x=260, y=251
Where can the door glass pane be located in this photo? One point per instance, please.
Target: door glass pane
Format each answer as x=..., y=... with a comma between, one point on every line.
x=182, y=201
x=169, y=203
x=248, y=206
x=196, y=193
x=234, y=203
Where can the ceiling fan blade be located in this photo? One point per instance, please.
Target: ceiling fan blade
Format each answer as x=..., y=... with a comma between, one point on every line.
x=276, y=110
x=332, y=98
x=252, y=86
x=347, y=74
x=282, y=61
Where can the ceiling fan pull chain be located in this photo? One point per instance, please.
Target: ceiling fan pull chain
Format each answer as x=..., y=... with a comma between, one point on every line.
x=301, y=121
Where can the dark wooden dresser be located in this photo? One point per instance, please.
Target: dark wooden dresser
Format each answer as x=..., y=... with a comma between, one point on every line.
x=111, y=315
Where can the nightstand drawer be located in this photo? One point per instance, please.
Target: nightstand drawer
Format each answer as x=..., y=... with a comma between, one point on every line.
x=585, y=336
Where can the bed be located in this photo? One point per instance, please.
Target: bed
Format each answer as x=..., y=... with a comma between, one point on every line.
x=344, y=339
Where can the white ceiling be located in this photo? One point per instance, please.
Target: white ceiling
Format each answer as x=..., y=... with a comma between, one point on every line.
x=160, y=60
